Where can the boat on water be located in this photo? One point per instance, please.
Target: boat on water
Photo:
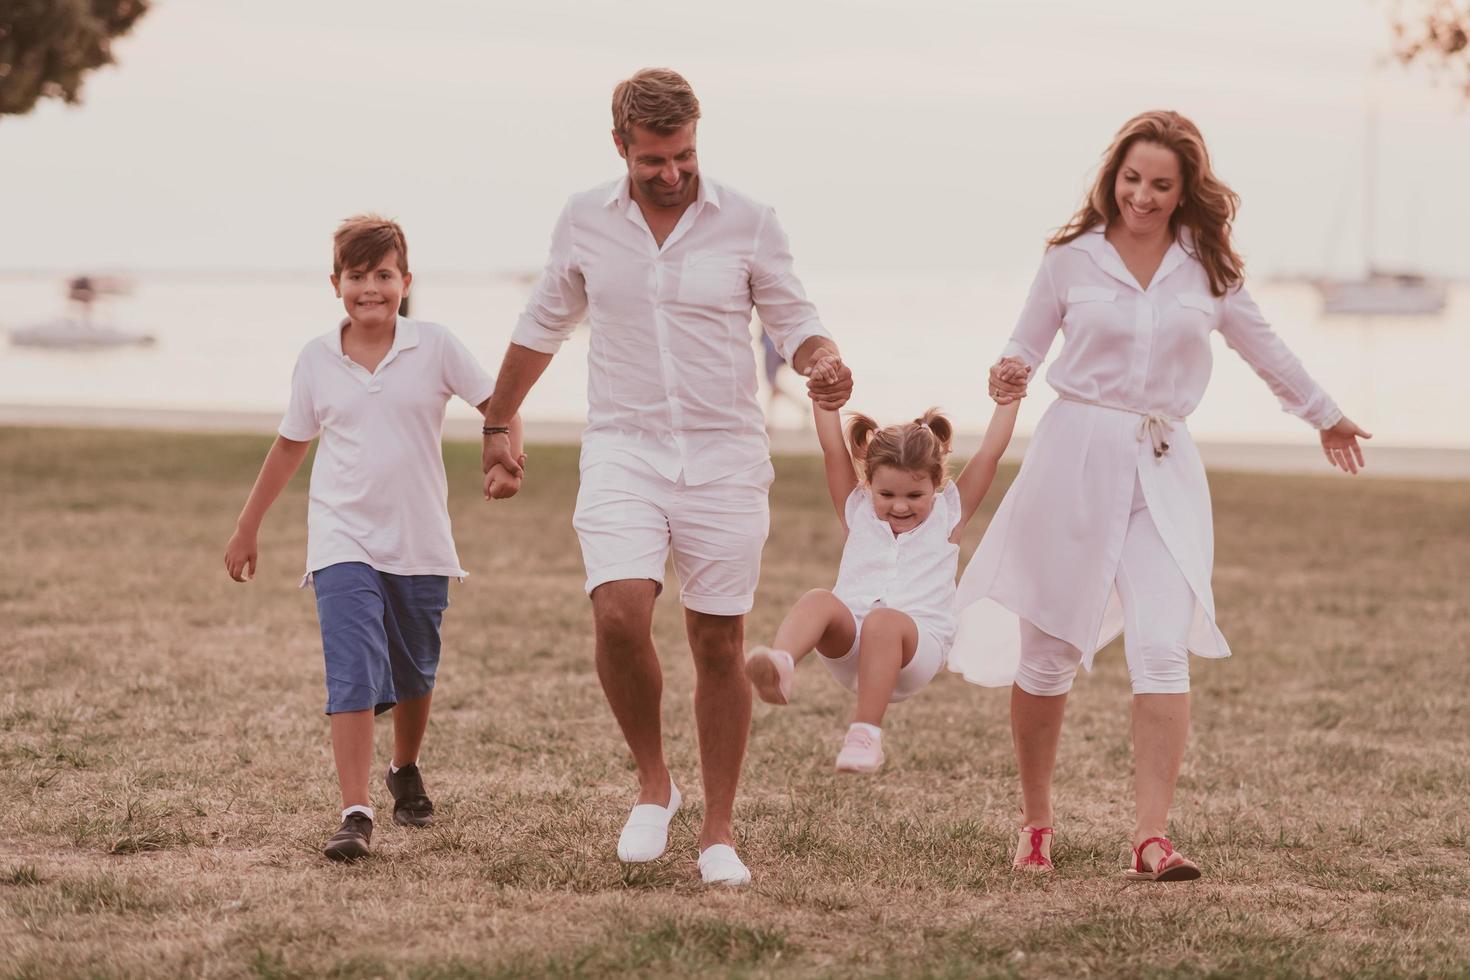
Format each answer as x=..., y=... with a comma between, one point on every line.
x=1378, y=292
x=75, y=333
x=1383, y=294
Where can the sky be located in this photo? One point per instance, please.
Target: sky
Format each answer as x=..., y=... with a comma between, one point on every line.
x=916, y=135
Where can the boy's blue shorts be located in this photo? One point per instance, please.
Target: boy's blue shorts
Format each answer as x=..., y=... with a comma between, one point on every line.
x=380, y=634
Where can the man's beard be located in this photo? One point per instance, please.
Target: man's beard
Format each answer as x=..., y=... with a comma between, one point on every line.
x=663, y=195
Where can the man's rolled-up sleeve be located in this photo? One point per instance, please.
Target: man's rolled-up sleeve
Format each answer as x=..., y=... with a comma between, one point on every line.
x=559, y=301
x=787, y=315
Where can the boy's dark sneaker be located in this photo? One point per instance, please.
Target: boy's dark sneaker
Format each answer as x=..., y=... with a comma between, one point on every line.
x=411, y=805
x=351, y=840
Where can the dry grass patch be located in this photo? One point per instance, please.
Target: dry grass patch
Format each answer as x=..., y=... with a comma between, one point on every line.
x=165, y=779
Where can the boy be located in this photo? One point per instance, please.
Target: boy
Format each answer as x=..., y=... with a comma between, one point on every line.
x=379, y=550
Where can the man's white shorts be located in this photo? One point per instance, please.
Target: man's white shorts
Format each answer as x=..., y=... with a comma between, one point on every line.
x=629, y=518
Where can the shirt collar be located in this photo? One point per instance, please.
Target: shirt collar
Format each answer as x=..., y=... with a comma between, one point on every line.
x=622, y=193
x=1095, y=243
x=708, y=193
x=405, y=335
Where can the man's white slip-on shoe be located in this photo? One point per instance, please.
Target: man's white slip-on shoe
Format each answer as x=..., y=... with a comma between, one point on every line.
x=646, y=834
x=771, y=673
x=719, y=865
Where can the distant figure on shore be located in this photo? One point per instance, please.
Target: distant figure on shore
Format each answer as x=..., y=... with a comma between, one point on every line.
x=1107, y=528
x=774, y=364
x=667, y=263
x=81, y=291
x=379, y=552
x=884, y=630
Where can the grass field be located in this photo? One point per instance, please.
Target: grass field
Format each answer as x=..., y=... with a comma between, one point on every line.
x=165, y=778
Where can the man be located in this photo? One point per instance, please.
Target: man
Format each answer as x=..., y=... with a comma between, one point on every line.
x=667, y=264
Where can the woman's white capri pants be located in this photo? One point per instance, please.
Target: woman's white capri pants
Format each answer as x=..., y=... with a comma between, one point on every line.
x=1158, y=609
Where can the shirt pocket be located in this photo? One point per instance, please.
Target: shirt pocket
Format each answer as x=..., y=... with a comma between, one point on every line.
x=1090, y=294
x=713, y=280
x=1197, y=301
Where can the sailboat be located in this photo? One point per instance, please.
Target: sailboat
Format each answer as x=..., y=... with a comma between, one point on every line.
x=76, y=333
x=76, y=330
x=1379, y=292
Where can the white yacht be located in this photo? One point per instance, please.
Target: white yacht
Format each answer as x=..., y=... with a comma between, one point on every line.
x=1383, y=294
x=1378, y=292
x=75, y=333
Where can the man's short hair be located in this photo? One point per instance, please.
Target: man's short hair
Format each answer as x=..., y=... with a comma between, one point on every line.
x=363, y=239
x=658, y=99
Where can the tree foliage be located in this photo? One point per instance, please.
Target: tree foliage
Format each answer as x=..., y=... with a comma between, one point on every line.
x=48, y=46
x=1435, y=33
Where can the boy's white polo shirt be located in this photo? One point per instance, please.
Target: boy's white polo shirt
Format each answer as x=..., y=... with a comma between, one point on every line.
x=378, y=490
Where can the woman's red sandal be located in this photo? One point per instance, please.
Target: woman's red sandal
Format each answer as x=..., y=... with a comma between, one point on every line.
x=1172, y=867
x=1035, y=862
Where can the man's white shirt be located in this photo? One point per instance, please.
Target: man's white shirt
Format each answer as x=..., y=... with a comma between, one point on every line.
x=671, y=370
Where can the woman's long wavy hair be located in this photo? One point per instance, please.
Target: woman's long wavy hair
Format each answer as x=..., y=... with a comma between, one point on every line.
x=920, y=446
x=1207, y=206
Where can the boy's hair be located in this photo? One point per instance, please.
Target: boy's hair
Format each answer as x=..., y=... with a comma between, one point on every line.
x=920, y=446
x=658, y=99
x=362, y=240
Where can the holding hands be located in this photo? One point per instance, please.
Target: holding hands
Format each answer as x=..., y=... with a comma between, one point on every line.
x=1009, y=378
x=829, y=381
x=502, y=458
x=501, y=482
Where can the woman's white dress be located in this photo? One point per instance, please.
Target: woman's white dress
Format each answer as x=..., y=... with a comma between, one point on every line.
x=1051, y=553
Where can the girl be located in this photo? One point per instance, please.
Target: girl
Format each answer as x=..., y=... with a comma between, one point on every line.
x=1107, y=527
x=885, y=628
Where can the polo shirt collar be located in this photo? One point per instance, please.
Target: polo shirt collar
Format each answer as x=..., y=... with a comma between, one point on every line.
x=405, y=336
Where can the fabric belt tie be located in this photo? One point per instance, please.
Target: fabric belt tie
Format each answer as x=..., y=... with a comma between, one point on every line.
x=1155, y=426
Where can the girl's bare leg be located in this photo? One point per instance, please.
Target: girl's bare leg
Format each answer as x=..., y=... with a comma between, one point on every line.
x=819, y=621
x=890, y=639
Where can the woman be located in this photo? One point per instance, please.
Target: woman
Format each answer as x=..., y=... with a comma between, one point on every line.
x=1107, y=527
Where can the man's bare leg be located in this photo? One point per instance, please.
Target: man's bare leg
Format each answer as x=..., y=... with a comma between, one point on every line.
x=627, y=665
x=722, y=715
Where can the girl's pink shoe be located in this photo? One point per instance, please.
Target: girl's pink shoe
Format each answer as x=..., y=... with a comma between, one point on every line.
x=862, y=751
x=771, y=673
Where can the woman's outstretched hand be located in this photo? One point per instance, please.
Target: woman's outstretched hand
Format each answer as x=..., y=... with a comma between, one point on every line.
x=1340, y=444
x=1009, y=377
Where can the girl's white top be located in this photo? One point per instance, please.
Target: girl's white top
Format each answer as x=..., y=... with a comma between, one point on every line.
x=912, y=572
x=1051, y=553
x=379, y=494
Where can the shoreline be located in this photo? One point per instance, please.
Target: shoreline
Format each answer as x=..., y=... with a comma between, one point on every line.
x=1303, y=458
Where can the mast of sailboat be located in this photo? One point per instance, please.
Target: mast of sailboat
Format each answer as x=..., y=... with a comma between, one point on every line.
x=1370, y=185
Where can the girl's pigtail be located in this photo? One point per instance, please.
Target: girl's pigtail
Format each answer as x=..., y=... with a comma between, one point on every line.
x=860, y=431
x=942, y=428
